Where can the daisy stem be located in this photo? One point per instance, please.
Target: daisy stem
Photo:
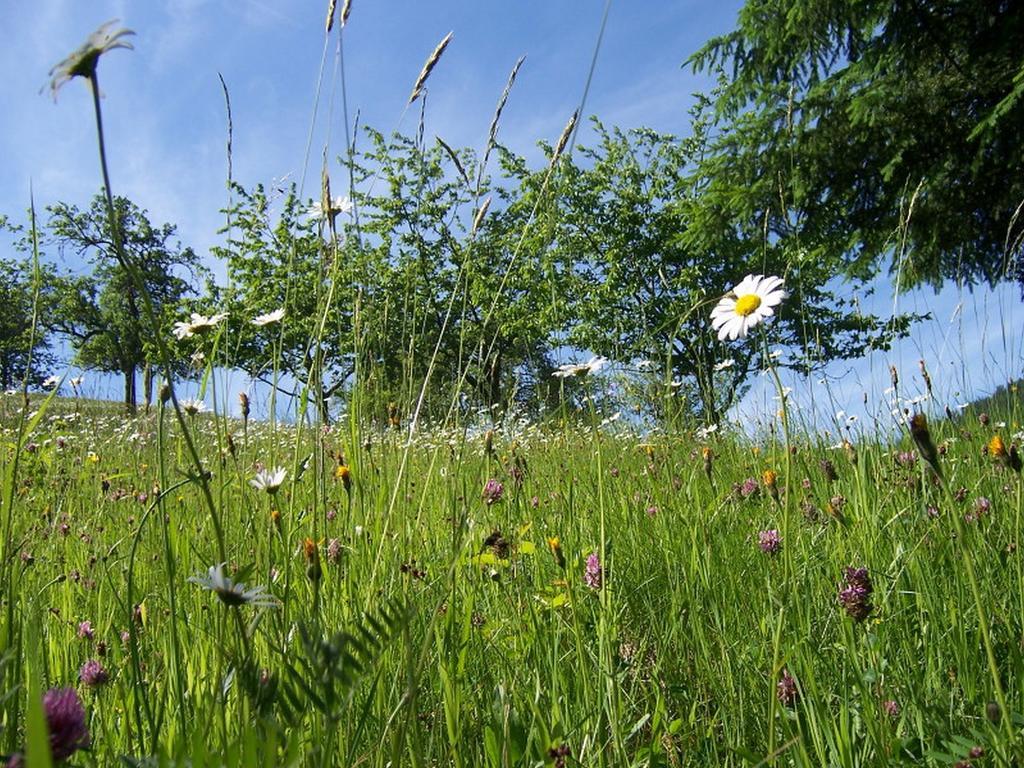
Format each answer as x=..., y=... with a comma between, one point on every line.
x=787, y=549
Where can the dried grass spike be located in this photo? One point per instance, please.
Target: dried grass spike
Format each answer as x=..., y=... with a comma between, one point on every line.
x=480, y=216
x=346, y=9
x=332, y=5
x=454, y=158
x=493, y=133
x=564, y=138
x=429, y=67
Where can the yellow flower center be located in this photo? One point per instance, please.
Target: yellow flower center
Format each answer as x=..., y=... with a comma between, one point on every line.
x=747, y=304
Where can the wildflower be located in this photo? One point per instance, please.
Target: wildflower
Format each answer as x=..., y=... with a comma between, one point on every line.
x=569, y=370
x=334, y=207
x=851, y=452
x=982, y=506
x=82, y=62
x=493, y=491
x=785, y=690
x=555, y=545
x=51, y=381
x=93, y=674
x=725, y=364
x=891, y=707
x=270, y=318
x=558, y=755
x=312, y=554
x=66, y=722
x=769, y=541
x=923, y=440
x=593, y=575
x=652, y=510
x=855, y=594
x=996, y=448
x=85, y=630
x=269, y=481
x=746, y=305
x=344, y=474
x=748, y=488
x=828, y=469
x=334, y=551
x=230, y=593
x=197, y=325
x=771, y=481
x=193, y=406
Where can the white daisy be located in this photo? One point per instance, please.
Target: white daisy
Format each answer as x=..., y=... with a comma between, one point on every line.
x=593, y=365
x=230, y=593
x=271, y=317
x=269, y=481
x=746, y=305
x=51, y=381
x=193, y=407
x=337, y=205
x=197, y=324
x=725, y=364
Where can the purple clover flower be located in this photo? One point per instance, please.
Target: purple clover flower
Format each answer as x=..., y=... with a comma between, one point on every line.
x=749, y=488
x=593, y=576
x=769, y=541
x=493, y=491
x=855, y=593
x=334, y=551
x=93, y=674
x=66, y=721
x=785, y=690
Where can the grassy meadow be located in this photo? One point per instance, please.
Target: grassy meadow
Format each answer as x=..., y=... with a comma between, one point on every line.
x=431, y=602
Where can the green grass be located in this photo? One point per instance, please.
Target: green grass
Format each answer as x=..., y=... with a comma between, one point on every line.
x=422, y=644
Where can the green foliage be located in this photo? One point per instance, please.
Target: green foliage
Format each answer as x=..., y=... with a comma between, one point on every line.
x=100, y=312
x=277, y=259
x=22, y=354
x=859, y=131
x=641, y=276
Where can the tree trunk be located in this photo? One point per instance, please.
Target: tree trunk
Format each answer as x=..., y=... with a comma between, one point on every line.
x=130, y=402
x=147, y=385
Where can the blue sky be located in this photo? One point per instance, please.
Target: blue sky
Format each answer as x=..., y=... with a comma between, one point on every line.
x=165, y=121
x=164, y=109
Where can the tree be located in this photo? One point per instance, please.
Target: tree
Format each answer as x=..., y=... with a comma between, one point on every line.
x=24, y=345
x=463, y=284
x=100, y=312
x=859, y=131
x=278, y=260
x=639, y=288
